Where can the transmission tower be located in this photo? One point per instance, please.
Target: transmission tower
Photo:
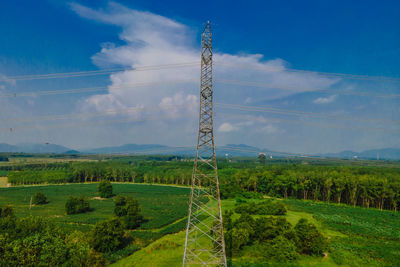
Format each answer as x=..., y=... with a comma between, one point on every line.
x=204, y=243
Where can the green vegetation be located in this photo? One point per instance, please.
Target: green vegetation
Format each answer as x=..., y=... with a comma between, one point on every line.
x=6, y=212
x=270, y=238
x=34, y=241
x=266, y=207
x=3, y=181
x=340, y=219
x=161, y=205
x=105, y=189
x=369, y=237
x=39, y=199
x=38, y=177
x=357, y=185
x=108, y=236
x=75, y=205
x=106, y=242
x=128, y=210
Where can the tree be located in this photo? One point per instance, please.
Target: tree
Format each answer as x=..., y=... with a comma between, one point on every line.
x=105, y=189
x=107, y=236
x=39, y=199
x=308, y=239
x=76, y=205
x=279, y=249
x=262, y=158
x=128, y=209
x=6, y=212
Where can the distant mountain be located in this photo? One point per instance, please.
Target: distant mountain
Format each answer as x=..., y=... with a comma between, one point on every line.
x=33, y=148
x=238, y=150
x=384, y=153
x=229, y=150
x=7, y=148
x=128, y=148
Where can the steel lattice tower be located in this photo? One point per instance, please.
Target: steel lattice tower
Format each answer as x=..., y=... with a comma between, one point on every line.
x=204, y=244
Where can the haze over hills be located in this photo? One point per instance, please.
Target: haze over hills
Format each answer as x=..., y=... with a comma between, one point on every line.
x=33, y=148
x=221, y=151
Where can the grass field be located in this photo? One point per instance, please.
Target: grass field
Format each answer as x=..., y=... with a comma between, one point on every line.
x=161, y=205
x=357, y=236
x=3, y=181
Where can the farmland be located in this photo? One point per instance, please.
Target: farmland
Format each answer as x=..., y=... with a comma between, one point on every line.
x=356, y=233
x=375, y=242
x=166, y=204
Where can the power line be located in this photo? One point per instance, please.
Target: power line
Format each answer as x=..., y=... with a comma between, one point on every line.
x=133, y=85
x=98, y=72
x=309, y=90
x=92, y=89
x=327, y=74
x=321, y=125
x=302, y=113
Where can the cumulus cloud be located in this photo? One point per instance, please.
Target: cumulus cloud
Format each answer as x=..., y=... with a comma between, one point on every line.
x=170, y=94
x=150, y=40
x=226, y=127
x=325, y=100
x=4, y=81
x=269, y=129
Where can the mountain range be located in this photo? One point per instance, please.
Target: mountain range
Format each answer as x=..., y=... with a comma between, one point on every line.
x=222, y=151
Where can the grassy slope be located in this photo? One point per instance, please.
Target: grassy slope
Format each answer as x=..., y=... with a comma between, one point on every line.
x=161, y=205
x=353, y=234
x=3, y=181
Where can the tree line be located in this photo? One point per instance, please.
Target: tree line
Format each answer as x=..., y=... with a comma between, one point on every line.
x=365, y=186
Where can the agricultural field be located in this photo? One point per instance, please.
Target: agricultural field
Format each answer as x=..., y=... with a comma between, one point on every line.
x=3, y=181
x=161, y=205
x=369, y=238
x=357, y=215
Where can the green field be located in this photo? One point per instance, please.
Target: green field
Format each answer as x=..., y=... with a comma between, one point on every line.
x=357, y=236
x=161, y=205
x=3, y=181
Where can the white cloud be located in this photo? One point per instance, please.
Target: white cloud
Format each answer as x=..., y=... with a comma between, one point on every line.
x=170, y=95
x=226, y=127
x=4, y=80
x=325, y=100
x=269, y=129
x=151, y=39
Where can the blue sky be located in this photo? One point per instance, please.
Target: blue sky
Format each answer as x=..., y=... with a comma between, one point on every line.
x=350, y=37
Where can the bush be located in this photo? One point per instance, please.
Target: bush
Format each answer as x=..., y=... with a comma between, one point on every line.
x=105, y=189
x=76, y=205
x=39, y=199
x=266, y=207
x=34, y=241
x=268, y=228
x=128, y=209
x=279, y=249
x=6, y=212
x=308, y=239
x=107, y=236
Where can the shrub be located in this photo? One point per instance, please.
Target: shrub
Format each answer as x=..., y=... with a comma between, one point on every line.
x=268, y=228
x=279, y=249
x=308, y=239
x=107, y=236
x=39, y=199
x=128, y=209
x=6, y=212
x=34, y=241
x=76, y=205
x=267, y=207
x=105, y=189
